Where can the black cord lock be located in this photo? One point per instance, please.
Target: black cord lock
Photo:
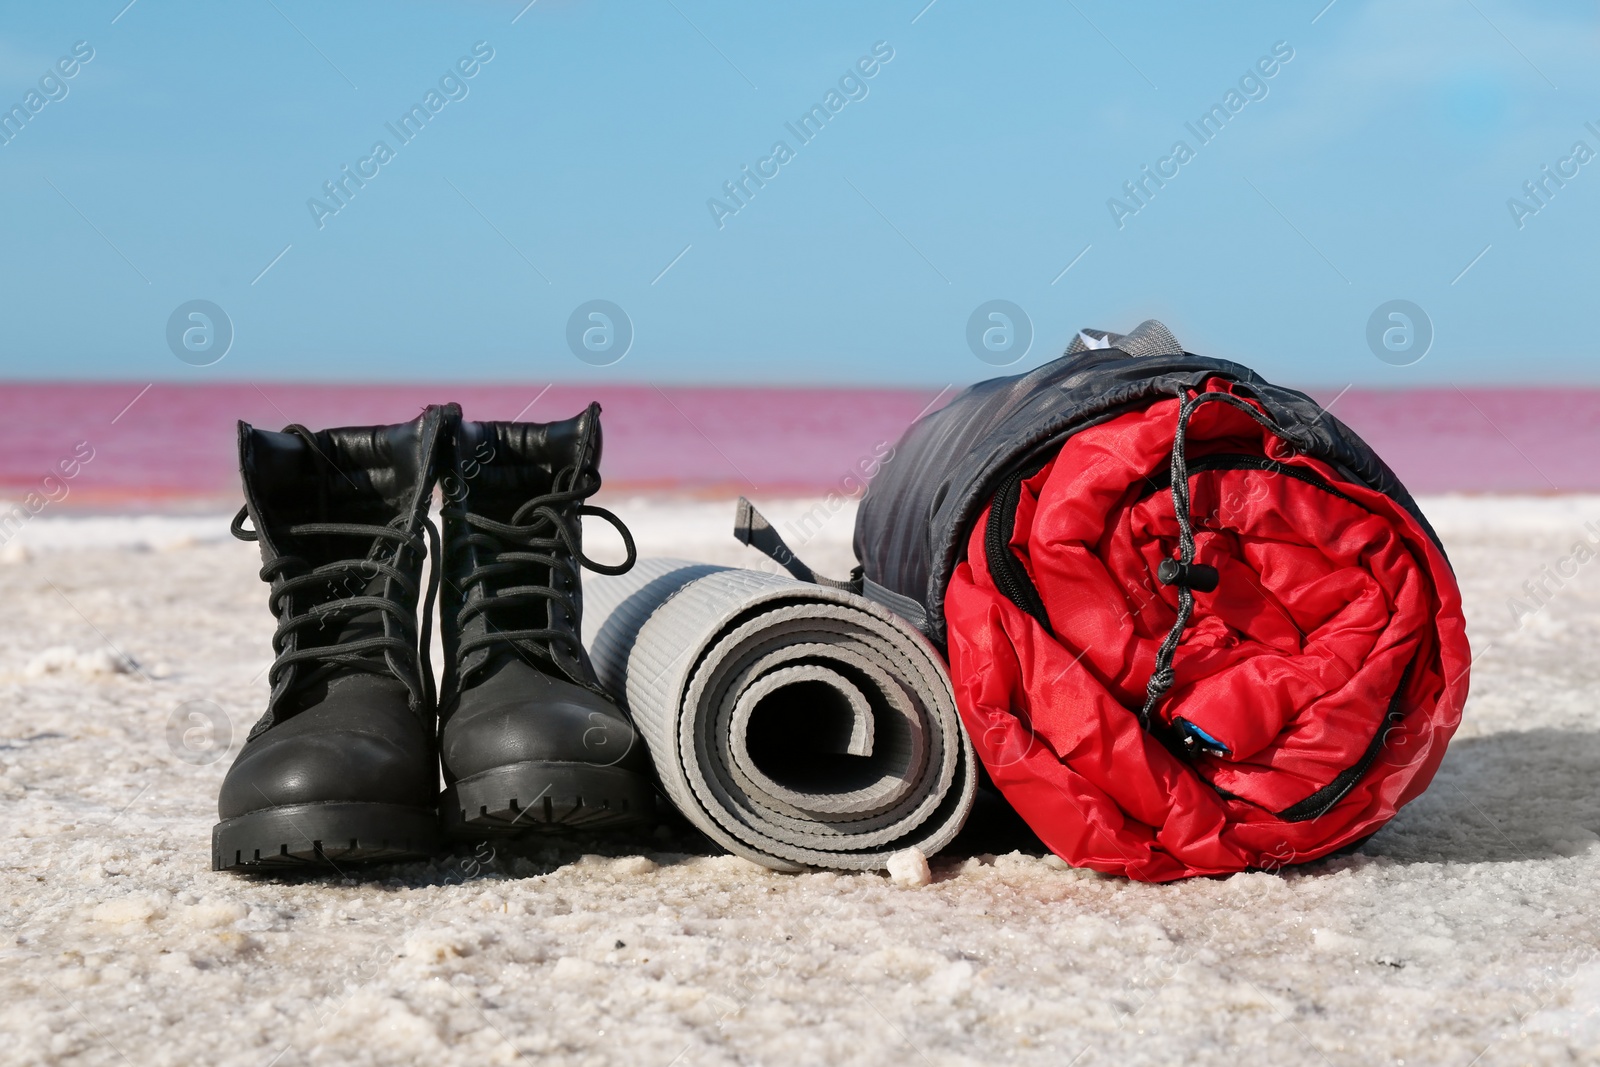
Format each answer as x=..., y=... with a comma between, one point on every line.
x=1197, y=576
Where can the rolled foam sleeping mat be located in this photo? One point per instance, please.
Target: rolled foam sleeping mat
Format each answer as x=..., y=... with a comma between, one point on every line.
x=797, y=725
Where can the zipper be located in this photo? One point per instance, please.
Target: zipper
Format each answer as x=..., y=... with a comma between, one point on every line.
x=1322, y=800
x=1007, y=570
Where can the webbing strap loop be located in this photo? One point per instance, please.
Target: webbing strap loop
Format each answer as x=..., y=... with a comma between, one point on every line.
x=750, y=527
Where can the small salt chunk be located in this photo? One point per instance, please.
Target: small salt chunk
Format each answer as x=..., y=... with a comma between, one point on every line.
x=577, y=971
x=909, y=867
x=137, y=908
x=211, y=915
x=632, y=866
x=951, y=981
x=437, y=946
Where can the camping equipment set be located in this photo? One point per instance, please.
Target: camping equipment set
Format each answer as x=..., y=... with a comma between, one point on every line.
x=1186, y=620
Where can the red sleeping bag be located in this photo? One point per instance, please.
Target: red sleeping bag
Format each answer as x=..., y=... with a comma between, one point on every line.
x=1310, y=694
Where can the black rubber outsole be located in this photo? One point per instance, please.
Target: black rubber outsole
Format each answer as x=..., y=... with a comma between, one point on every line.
x=329, y=835
x=545, y=797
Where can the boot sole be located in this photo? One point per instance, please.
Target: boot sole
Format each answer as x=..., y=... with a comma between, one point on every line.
x=544, y=797
x=323, y=835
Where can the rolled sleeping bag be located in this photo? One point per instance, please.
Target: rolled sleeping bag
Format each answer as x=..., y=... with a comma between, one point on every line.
x=795, y=724
x=1194, y=623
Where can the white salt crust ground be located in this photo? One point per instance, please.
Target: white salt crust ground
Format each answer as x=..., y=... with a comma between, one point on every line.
x=1466, y=932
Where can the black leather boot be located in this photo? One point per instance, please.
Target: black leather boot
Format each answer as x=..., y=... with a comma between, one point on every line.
x=528, y=739
x=342, y=768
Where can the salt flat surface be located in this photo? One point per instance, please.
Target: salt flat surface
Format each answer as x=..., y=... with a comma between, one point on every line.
x=1465, y=932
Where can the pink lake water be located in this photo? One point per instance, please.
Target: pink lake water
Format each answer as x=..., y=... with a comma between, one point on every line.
x=172, y=445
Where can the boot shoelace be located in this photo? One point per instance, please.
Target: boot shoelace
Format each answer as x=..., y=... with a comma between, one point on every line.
x=532, y=537
x=1162, y=677
x=298, y=575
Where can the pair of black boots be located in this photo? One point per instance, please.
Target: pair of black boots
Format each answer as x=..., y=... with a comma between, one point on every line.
x=345, y=764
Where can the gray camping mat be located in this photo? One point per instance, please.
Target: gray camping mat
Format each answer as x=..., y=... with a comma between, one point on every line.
x=795, y=724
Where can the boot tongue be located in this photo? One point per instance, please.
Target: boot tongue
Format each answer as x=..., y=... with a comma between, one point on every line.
x=371, y=469
x=503, y=465
x=506, y=471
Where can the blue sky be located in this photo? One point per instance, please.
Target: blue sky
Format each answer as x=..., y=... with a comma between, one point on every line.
x=978, y=162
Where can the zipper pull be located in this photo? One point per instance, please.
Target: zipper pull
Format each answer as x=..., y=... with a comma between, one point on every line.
x=1196, y=742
